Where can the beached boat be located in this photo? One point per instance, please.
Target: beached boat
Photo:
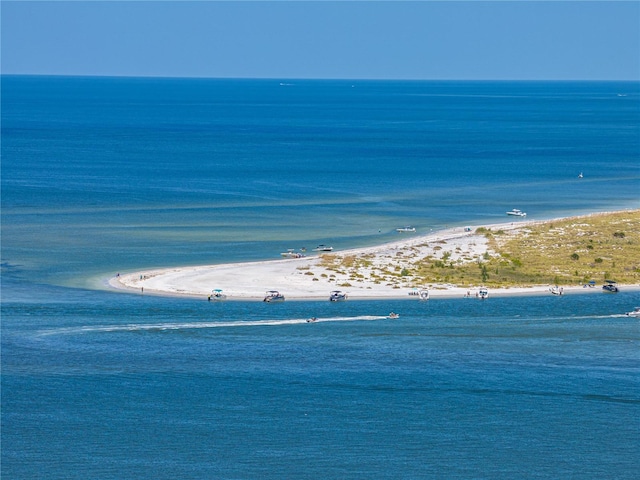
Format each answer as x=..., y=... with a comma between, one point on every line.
x=610, y=287
x=634, y=313
x=337, y=296
x=516, y=213
x=217, y=295
x=273, y=296
x=556, y=290
x=323, y=248
x=407, y=229
x=483, y=293
x=423, y=294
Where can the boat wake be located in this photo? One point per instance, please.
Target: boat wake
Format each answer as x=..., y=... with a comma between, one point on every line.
x=138, y=327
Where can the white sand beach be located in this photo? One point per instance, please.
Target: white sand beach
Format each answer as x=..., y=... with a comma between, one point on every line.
x=306, y=278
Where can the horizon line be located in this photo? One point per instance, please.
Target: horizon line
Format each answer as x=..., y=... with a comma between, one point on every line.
x=363, y=79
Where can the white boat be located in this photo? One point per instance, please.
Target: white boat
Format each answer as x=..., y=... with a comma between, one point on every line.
x=273, y=296
x=580, y=176
x=407, y=229
x=610, y=287
x=394, y=315
x=556, y=290
x=323, y=248
x=634, y=313
x=483, y=293
x=337, y=296
x=216, y=294
x=517, y=213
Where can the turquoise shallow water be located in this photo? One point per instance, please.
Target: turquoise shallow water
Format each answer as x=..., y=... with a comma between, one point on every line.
x=104, y=175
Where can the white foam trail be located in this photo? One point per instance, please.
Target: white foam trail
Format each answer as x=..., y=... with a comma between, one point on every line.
x=135, y=327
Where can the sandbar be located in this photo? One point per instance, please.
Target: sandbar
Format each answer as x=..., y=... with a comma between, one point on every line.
x=306, y=278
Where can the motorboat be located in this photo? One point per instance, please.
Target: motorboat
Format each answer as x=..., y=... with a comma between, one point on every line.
x=273, y=296
x=216, y=294
x=580, y=176
x=337, y=296
x=556, y=290
x=483, y=293
x=312, y=319
x=393, y=315
x=407, y=229
x=516, y=213
x=610, y=287
x=634, y=313
x=323, y=248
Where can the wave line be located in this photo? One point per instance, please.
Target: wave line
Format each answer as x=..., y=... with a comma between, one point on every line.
x=136, y=327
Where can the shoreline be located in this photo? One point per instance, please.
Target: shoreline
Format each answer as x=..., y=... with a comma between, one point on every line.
x=308, y=278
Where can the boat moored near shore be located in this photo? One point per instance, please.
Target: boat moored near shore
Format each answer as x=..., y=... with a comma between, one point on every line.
x=273, y=296
x=217, y=295
x=337, y=296
x=516, y=213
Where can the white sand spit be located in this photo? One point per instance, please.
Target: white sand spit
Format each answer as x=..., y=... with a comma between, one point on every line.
x=373, y=271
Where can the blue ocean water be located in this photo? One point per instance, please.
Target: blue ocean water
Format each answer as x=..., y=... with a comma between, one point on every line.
x=106, y=175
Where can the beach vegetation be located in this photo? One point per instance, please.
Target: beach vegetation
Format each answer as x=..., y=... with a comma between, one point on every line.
x=534, y=254
x=483, y=273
